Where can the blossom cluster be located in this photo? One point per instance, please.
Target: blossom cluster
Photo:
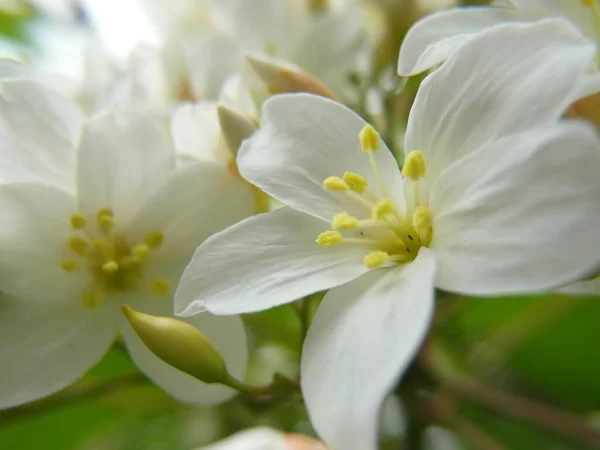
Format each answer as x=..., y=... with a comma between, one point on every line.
x=237, y=167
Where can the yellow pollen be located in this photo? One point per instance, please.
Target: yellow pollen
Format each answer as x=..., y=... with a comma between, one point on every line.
x=160, y=286
x=68, y=265
x=92, y=298
x=344, y=221
x=110, y=267
x=329, y=239
x=154, y=239
x=414, y=166
x=383, y=208
x=78, y=245
x=106, y=222
x=140, y=253
x=78, y=221
x=355, y=182
x=369, y=139
x=100, y=245
x=335, y=184
x=375, y=259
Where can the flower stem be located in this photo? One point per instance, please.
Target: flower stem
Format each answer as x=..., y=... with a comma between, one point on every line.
x=544, y=416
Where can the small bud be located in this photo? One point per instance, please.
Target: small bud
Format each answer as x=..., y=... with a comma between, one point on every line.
x=235, y=127
x=179, y=344
x=281, y=78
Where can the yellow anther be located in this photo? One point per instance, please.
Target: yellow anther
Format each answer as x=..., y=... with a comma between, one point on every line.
x=344, y=221
x=421, y=218
x=154, y=239
x=110, y=267
x=414, y=166
x=68, y=265
x=160, y=286
x=335, y=184
x=78, y=245
x=92, y=298
x=140, y=253
x=100, y=245
x=78, y=221
x=369, y=139
x=375, y=259
x=106, y=222
x=355, y=182
x=381, y=209
x=329, y=239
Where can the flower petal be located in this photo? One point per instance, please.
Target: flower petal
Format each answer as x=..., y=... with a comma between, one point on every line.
x=33, y=236
x=436, y=37
x=377, y=321
x=588, y=287
x=252, y=439
x=515, y=215
x=303, y=139
x=197, y=201
x=39, y=130
x=226, y=333
x=264, y=261
x=197, y=133
x=47, y=346
x=479, y=95
x=123, y=159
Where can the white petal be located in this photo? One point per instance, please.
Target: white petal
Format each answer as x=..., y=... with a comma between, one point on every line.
x=588, y=287
x=329, y=48
x=123, y=159
x=479, y=94
x=252, y=439
x=303, y=139
x=264, y=261
x=47, y=346
x=33, y=235
x=436, y=37
x=362, y=339
x=589, y=85
x=516, y=215
x=226, y=333
x=39, y=130
x=197, y=133
x=197, y=201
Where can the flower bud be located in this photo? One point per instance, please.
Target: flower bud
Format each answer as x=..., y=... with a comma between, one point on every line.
x=179, y=344
x=280, y=78
x=235, y=127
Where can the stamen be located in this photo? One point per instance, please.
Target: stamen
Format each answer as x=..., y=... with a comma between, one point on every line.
x=154, y=240
x=355, y=182
x=422, y=223
x=100, y=245
x=78, y=221
x=369, y=139
x=140, y=253
x=68, y=265
x=106, y=223
x=344, y=221
x=383, y=208
x=335, y=184
x=160, y=286
x=92, y=298
x=78, y=245
x=110, y=267
x=414, y=166
x=375, y=259
x=329, y=239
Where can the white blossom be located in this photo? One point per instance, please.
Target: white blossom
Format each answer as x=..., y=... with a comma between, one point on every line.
x=493, y=198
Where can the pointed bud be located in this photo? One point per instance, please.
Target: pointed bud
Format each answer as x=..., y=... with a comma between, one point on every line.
x=280, y=78
x=235, y=127
x=179, y=344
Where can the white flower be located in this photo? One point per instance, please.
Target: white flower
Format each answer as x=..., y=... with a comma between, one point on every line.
x=437, y=36
x=96, y=215
x=495, y=199
x=263, y=438
x=326, y=45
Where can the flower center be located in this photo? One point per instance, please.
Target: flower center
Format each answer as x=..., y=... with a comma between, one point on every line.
x=112, y=262
x=389, y=234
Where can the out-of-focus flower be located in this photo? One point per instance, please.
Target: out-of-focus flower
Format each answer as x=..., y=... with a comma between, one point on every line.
x=437, y=36
x=386, y=239
x=265, y=439
x=97, y=215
